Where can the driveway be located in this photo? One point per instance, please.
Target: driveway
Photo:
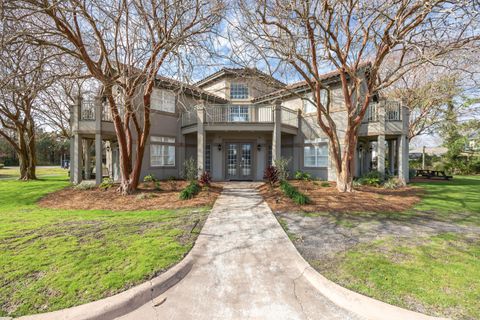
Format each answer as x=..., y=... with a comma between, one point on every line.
x=245, y=268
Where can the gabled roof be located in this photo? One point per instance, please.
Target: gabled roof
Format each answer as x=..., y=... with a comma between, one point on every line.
x=241, y=72
x=329, y=77
x=192, y=90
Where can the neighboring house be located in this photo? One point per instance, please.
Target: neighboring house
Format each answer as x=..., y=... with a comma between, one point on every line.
x=431, y=151
x=235, y=123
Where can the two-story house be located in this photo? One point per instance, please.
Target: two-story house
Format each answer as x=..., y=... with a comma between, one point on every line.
x=235, y=123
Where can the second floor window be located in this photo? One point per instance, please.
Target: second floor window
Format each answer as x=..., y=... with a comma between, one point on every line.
x=238, y=91
x=238, y=114
x=163, y=100
x=310, y=107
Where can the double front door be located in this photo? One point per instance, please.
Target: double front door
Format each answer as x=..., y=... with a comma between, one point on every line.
x=239, y=160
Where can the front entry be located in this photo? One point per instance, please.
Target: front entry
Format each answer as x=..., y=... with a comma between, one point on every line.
x=239, y=161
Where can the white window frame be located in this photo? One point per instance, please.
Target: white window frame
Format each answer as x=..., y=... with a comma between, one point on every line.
x=320, y=159
x=162, y=100
x=309, y=107
x=237, y=85
x=161, y=157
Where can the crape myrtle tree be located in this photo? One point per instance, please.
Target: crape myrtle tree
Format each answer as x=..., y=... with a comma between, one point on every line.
x=370, y=43
x=123, y=44
x=24, y=75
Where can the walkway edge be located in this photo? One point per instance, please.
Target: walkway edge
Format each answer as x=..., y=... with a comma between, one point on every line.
x=124, y=302
x=354, y=302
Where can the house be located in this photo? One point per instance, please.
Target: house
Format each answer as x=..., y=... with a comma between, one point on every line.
x=235, y=123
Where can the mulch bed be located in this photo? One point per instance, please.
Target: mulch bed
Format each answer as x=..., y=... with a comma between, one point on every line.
x=328, y=199
x=146, y=198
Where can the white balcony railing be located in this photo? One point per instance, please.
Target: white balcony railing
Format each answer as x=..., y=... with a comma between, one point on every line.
x=393, y=111
x=238, y=113
x=87, y=111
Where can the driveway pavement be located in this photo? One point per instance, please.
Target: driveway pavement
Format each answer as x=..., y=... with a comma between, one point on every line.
x=245, y=268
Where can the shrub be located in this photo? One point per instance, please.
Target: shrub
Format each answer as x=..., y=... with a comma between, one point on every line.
x=373, y=178
x=293, y=193
x=205, y=178
x=271, y=175
x=172, y=180
x=190, y=169
x=149, y=178
x=325, y=184
x=85, y=185
x=282, y=168
x=305, y=176
x=2, y=166
x=190, y=191
x=393, y=183
x=106, y=184
x=158, y=187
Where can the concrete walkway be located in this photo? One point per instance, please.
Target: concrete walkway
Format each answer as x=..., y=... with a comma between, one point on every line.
x=245, y=268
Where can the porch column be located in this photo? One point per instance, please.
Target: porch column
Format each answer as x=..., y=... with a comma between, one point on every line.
x=391, y=157
x=76, y=159
x=98, y=158
x=201, y=138
x=402, y=142
x=381, y=154
x=277, y=132
x=98, y=141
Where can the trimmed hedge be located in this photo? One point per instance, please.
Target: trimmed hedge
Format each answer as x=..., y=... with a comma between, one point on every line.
x=190, y=191
x=293, y=193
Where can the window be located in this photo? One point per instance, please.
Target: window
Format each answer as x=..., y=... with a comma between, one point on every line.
x=162, y=151
x=163, y=100
x=238, y=91
x=315, y=155
x=309, y=107
x=269, y=155
x=238, y=114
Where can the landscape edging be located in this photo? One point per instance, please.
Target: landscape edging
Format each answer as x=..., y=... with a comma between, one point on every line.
x=349, y=300
x=122, y=303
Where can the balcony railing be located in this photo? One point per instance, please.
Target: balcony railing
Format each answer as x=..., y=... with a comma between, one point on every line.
x=393, y=111
x=241, y=114
x=87, y=111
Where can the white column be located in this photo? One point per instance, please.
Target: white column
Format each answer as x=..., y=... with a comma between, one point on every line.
x=391, y=156
x=76, y=160
x=403, y=158
x=98, y=158
x=381, y=154
x=201, y=138
x=277, y=132
x=86, y=157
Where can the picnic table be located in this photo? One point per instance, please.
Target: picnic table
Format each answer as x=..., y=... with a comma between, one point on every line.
x=429, y=174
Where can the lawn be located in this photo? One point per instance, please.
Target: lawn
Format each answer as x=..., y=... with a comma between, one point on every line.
x=14, y=173
x=426, y=258
x=52, y=258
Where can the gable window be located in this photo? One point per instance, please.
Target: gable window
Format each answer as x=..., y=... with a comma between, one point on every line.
x=315, y=154
x=238, y=91
x=308, y=101
x=162, y=151
x=163, y=100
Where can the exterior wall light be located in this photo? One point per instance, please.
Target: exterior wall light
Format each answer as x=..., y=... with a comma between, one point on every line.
x=259, y=147
x=219, y=147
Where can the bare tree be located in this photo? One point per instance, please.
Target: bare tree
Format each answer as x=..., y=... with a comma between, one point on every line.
x=24, y=75
x=123, y=45
x=315, y=35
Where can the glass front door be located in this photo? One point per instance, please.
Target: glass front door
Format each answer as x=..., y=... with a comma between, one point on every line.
x=239, y=160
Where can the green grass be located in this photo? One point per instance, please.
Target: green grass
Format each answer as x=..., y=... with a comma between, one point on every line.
x=439, y=275
x=461, y=194
x=14, y=173
x=53, y=259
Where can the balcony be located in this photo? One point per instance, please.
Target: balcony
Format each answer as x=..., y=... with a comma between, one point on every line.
x=261, y=116
x=85, y=114
x=385, y=117
x=87, y=111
